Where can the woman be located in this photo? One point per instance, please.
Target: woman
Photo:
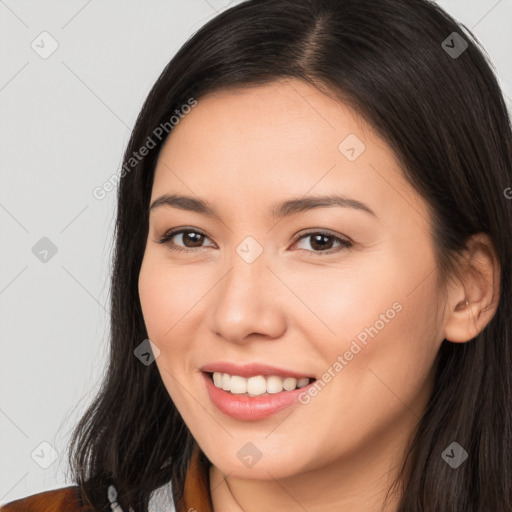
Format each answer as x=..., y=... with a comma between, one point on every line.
x=319, y=254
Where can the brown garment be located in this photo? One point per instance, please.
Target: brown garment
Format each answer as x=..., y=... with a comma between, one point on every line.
x=68, y=499
x=197, y=485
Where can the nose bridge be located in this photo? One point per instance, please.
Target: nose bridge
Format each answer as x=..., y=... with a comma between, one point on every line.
x=245, y=301
x=248, y=263
x=248, y=271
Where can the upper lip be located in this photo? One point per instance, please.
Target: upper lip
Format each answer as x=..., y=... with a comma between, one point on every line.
x=251, y=370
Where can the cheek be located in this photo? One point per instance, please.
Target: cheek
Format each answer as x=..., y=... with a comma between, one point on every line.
x=165, y=301
x=377, y=371
x=376, y=328
x=167, y=295
x=388, y=357
x=152, y=300
x=342, y=304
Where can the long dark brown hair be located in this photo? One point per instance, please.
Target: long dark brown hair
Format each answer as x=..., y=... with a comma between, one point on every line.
x=438, y=105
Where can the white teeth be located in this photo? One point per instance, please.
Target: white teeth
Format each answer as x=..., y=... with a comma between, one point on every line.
x=217, y=379
x=255, y=385
x=226, y=382
x=238, y=385
x=302, y=382
x=290, y=383
x=258, y=385
x=274, y=384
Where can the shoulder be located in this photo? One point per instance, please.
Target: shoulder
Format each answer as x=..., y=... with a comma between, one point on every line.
x=65, y=499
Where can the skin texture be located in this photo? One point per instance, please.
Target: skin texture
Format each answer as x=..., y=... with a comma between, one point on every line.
x=296, y=306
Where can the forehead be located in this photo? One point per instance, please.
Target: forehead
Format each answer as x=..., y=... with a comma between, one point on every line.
x=261, y=142
x=295, y=109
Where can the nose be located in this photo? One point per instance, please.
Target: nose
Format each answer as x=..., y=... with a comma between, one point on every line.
x=249, y=301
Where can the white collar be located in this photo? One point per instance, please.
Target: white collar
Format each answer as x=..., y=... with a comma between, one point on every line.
x=161, y=499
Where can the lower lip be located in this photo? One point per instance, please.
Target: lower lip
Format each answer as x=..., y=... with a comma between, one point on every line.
x=243, y=407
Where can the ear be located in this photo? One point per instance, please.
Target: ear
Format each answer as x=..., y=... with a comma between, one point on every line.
x=473, y=302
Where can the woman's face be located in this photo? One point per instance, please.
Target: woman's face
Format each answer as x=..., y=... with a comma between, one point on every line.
x=286, y=291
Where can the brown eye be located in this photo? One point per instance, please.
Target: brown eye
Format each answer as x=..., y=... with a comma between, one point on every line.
x=324, y=241
x=190, y=238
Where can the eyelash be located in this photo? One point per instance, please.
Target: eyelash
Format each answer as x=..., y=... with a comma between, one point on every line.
x=344, y=244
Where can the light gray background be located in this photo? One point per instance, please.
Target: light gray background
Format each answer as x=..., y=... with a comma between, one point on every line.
x=64, y=124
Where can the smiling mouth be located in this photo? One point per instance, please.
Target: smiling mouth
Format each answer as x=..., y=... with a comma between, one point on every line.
x=258, y=385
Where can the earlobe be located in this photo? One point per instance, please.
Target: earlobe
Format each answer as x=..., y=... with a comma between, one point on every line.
x=473, y=302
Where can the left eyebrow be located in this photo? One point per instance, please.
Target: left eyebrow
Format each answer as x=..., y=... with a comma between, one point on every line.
x=298, y=205
x=277, y=211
